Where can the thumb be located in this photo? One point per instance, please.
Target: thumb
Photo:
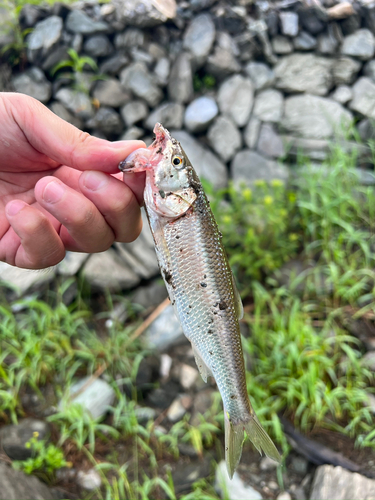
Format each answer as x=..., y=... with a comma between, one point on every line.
x=64, y=143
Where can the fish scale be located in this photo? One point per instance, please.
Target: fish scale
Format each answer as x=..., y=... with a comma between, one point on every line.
x=200, y=283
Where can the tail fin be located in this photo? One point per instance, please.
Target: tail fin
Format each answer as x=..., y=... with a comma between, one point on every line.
x=234, y=437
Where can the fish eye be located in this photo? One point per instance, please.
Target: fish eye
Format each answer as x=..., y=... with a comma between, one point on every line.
x=177, y=161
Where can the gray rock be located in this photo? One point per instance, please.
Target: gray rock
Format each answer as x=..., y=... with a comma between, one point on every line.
x=114, y=64
x=251, y=132
x=327, y=44
x=300, y=465
x=200, y=114
x=23, y=280
x=224, y=138
x=304, y=41
x=366, y=129
x=222, y=63
x=314, y=117
x=261, y=75
x=342, y=94
x=233, y=489
x=62, y=112
x=72, y=263
x=206, y=164
x=139, y=55
x=58, y=54
x=133, y=112
x=144, y=13
x=33, y=83
x=179, y=407
x=304, y=73
x=132, y=133
x=344, y=70
x=109, y=92
x=150, y=295
x=77, y=102
x=369, y=69
x=309, y=19
x=162, y=70
x=44, y=38
x=269, y=142
x=106, y=120
x=281, y=45
x=363, y=101
x=170, y=114
x=199, y=38
x=267, y=464
x=284, y=495
x=96, y=397
x=98, y=46
x=337, y=483
x=79, y=22
x=129, y=39
x=180, y=85
x=30, y=15
x=188, y=376
x=137, y=78
x=249, y=166
x=360, y=44
x=13, y=438
x=165, y=331
x=268, y=106
x=289, y=23
x=108, y=271
x=89, y=479
x=15, y=485
x=235, y=98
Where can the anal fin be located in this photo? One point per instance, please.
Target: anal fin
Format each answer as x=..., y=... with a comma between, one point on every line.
x=202, y=367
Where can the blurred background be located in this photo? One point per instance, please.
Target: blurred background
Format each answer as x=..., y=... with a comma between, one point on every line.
x=273, y=102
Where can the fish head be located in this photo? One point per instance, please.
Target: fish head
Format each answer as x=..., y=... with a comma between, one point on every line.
x=172, y=184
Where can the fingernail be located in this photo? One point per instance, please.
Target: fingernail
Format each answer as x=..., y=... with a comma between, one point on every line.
x=53, y=192
x=95, y=180
x=14, y=207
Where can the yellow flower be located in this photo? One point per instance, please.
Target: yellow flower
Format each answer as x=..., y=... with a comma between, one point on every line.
x=36, y=434
x=260, y=183
x=268, y=200
x=277, y=183
x=292, y=197
x=227, y=219
x=247, y=193
x=293, y=237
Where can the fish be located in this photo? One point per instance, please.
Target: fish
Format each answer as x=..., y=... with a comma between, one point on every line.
x=200, y=283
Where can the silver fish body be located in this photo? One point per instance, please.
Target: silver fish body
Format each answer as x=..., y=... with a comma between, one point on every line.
x=200, y=283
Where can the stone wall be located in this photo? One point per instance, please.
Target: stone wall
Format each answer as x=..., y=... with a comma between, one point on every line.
x=240, y=84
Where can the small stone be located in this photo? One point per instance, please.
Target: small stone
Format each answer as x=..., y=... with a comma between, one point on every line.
x=200, y=114
x=163, y=397
x=235, y=488
x=132, y=134
x=281, y=45
x=44, y=38
x=15, y=485
x=363, y=101
x=261, y=75
x=351, y=485
x=96, y=397
x=98, y=46
x=284, y=496
x=366, y=129
x=79, y=22
x=13, y=438
x=165, y=366
x=235, y=98
x=151, y=295
x=342, y=94
x=304, y=41
x=23, y=280
x=269, y=142
x=267, y=464
x=251, y=132
x=360, y=44
x=300, y=465
x=137, y=78
x=222, y=63
x=289, y=23
x=106, y=120
x=178, y=408
x=77, y=102
x=72, y=263
x=199, y=38
x=344, y=70
x=139, y=55
x=144, y=414
x=188, y=376
x=62, y=112
x=369, y=69
x=165, y=331
x=161, y=70
x=133, y=112
x=56, y=55
x=33, y=83
x=206, y=164
x=269, y=105
x=273, y=485
x=89, y=480
x=310, y=21
x=145, y=13
x=368, y=360
x=114, y=64
x=130, y=38
x=109, y=92
x=249, y=166
x=108, y=271
x=170, y=114
x=327, y=44
x=224, y=138
x=180, y=85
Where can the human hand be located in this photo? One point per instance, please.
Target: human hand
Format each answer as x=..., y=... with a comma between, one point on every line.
x=47, y=204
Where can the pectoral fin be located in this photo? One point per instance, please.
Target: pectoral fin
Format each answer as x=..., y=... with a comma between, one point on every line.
x=202, y=367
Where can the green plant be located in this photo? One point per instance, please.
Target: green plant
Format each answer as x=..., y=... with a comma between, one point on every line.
x=46, y=459
x=203, y=83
